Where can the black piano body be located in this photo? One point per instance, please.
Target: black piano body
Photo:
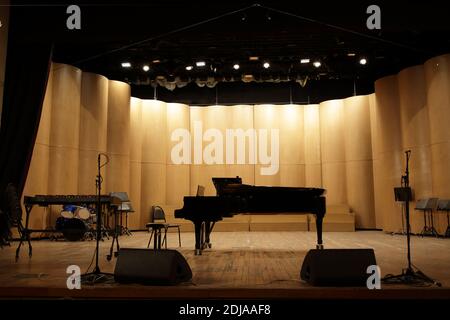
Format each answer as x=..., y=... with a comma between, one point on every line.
x=233, y=197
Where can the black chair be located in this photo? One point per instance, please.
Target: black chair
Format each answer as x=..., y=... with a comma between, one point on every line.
x=158, y=224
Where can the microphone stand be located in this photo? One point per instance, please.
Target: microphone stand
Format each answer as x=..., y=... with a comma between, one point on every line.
x=96, y=275
x=409, y=275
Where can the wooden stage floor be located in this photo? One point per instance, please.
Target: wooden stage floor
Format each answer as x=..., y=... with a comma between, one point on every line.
x=240, y=265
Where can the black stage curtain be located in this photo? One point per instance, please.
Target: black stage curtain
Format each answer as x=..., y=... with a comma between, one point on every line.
x=27, y=70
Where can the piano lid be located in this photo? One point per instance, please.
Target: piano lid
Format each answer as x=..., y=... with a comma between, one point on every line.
x=233, y=186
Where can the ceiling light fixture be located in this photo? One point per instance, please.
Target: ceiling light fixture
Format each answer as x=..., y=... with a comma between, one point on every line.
x=156, y=61
x=236, y=67
x=253, y=58
x=303, y=61
x=146, y=68
x=363, y=61
x=200, y=63
x=126, y=65
x=189, y=68
x=266, y=65
x=351, y=54
x=317, y=64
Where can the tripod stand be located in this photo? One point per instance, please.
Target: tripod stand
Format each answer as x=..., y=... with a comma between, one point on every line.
x=408, y=275
x=96, y=275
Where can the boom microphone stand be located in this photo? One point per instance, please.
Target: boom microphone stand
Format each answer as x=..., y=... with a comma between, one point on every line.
x=96, y=275
x=409, y=275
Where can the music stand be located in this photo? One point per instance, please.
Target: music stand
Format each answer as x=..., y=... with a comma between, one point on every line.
x=444, y=205
x=427, y=206
x=402, y=194
x=408, y=275
x=125, y=207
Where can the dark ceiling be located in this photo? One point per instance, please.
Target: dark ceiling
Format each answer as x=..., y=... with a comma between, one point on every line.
x=179, y=33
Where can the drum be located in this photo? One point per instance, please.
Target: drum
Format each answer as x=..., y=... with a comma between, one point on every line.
x=82, y=213
x=68, y=211
x=72, y=229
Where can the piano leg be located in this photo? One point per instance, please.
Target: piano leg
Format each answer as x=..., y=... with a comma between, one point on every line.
x=198, y=235
x=319, y=223
x=208, y=228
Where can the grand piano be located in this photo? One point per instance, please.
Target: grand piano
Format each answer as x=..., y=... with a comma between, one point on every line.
x=234, y=197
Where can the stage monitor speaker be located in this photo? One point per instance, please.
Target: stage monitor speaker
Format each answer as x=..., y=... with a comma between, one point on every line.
x=337, y=267
x=151, y=267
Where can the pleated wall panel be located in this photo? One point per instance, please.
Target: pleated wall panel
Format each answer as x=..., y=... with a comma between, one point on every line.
x=117, y=173
x=266, y=117
x=387, y=152
x=332, y=124
x=203, y=119
x=134, y=221
x=177, y=175
x=37, y=179
x=358, y=159
x=292, y=146
x=241, y=118
x=93, y=129
x=416, y=136
x=154, y=147
x=313, y=158
x=437, y=72
x=64, y=133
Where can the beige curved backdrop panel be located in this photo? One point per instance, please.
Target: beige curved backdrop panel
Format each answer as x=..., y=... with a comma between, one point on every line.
x=313, y=158
x=352, y=147
x=332, y=139
x=203, y=119
x=178, y=175
x=93, y=129
x=387, y=152
x=416, y=136
x=64, y=132
x=153, y=167
x=117, y=171
x=437, y=72
x=358, y=159
x=135, y=219
x=266, y=117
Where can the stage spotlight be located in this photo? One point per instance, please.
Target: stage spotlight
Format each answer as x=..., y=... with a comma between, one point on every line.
x=363, y=61
x=189, y=68
x=303, y=61
x=317, y=64
x=236, y=67
x=266, y=65
x=126, y=65
x=146, y=68
x=156, y=61
x=351, y=54
x=253, y=58
x=200, y=63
